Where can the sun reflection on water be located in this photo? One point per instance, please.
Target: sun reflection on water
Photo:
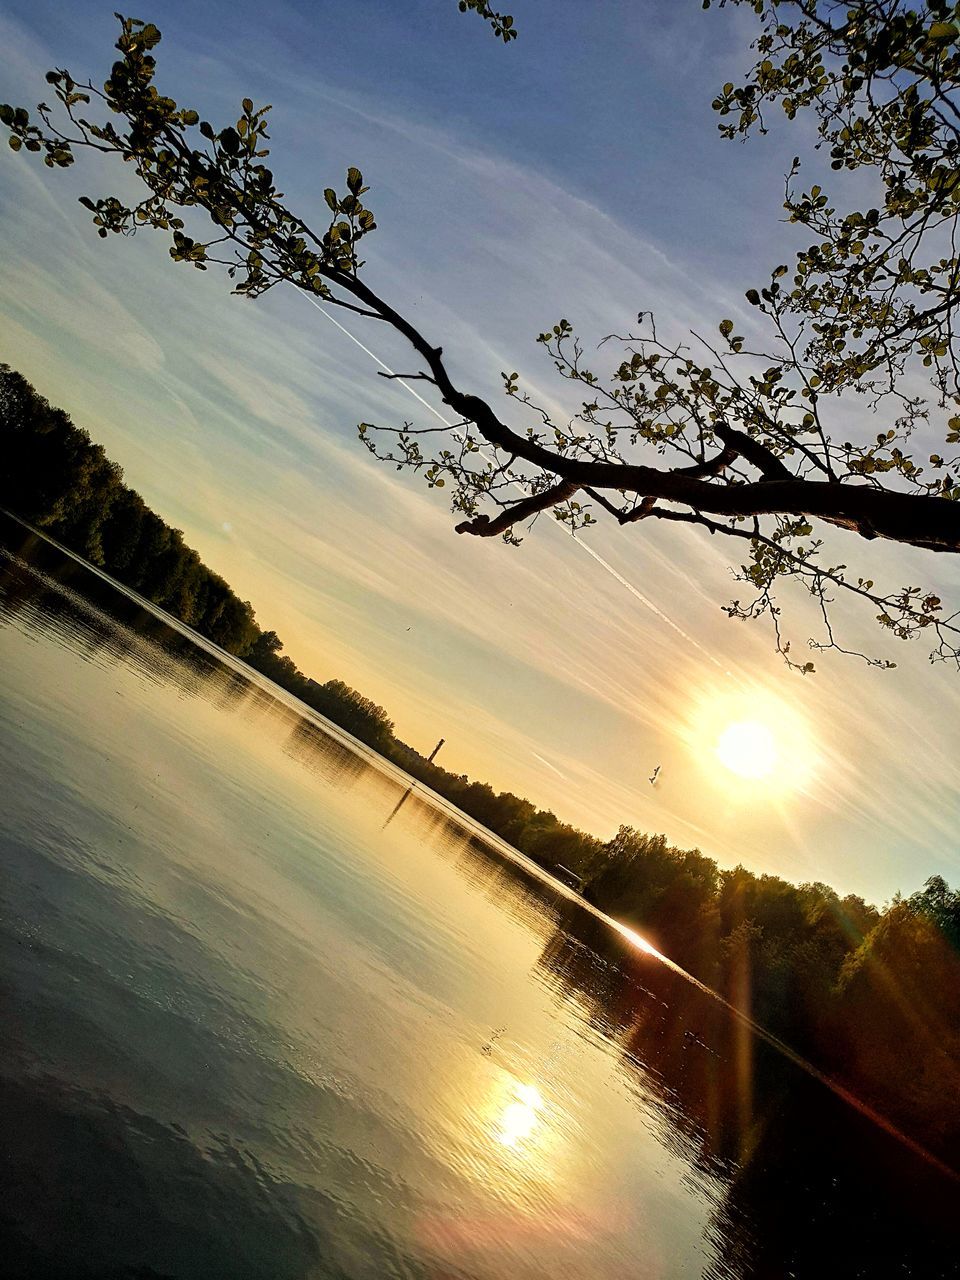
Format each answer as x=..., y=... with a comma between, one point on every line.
x=641, y=943
x=521, y=1116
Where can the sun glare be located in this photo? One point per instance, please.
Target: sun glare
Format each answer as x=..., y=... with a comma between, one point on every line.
x=520, y=1117
x=750, y=744
x=748, y=748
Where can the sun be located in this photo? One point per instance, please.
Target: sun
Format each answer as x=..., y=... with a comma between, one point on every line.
x=767, y=745
x=748, y=748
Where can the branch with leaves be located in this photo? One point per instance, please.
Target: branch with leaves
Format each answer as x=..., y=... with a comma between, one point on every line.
x=500, y=23
x=736, y=437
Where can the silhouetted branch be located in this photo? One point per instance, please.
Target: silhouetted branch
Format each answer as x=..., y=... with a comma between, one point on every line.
x=483, y=527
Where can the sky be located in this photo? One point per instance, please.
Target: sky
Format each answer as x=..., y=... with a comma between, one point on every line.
x=578, y=173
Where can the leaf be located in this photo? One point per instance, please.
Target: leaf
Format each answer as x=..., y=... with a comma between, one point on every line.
x=354, y=179
x=942, y=32
x=331, y=198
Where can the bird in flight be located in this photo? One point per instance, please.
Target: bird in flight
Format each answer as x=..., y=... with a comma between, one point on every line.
x=654, y=776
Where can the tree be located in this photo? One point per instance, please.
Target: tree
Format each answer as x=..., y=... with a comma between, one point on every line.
x=751, y=441
x=53, y=474
x=360, y=715
x=668, y=891
x=899, y=1009
x=56, y=477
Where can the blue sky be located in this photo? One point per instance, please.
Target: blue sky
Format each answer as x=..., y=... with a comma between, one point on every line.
x=579, y=173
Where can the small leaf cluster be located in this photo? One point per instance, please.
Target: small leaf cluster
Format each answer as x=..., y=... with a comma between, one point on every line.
x=500, y=23
x=187, y=163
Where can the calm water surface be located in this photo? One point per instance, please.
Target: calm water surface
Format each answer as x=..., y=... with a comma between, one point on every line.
x=252, y=1028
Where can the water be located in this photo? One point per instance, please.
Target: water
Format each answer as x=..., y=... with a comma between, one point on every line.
x=255, y=1029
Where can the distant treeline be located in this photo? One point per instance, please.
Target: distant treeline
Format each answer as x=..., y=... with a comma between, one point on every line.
x=876, y=995
x=55, y=477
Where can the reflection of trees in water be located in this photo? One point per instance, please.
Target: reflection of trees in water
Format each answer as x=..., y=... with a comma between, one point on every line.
x=519, y=891
x=323, y=755
x=813, y=1188
x=228, y=689
x=429, y=820
x=64, y=598
x=61, y=599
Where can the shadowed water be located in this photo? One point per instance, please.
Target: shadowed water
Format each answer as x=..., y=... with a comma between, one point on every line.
x=252, y=1031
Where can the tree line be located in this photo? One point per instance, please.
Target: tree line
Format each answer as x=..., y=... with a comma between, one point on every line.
x=877, y=994
x=54, y=476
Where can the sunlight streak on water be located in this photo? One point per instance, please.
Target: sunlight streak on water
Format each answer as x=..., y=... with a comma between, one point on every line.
x=634, y=938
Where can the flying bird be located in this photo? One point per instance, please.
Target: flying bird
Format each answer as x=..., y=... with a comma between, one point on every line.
x=655, y=775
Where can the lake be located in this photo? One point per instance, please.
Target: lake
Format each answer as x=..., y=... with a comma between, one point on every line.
x=262, y=1019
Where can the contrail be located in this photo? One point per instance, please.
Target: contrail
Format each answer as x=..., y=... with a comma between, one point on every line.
x=544, y=760
x=649, y=604
x=376, y=359
x=614, y=573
